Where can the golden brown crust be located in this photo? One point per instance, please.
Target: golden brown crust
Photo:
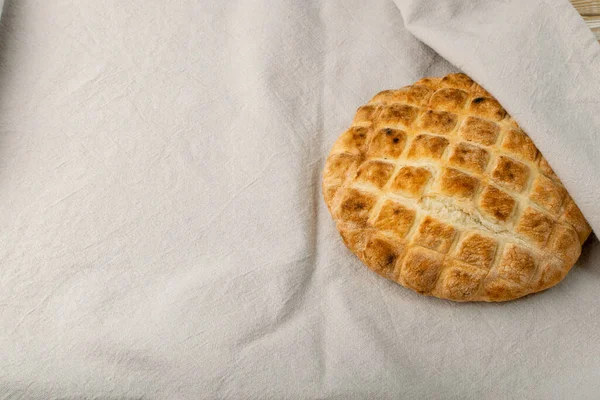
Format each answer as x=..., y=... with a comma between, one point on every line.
x=535, y=226
x=410, y=180
x=458, y=184
x=469, y=157
x=547, y=194
x=496, y=203
x=427, y=146
x=420, y=269
x=376, y=173
x=479, y=130
x=387, y=143
x=573, y=216
x=510, y=173
x=519, y=145
x=434, y=234
x=395, y=218
x=448, y=99
x=435, y=187
x=517, y=264
x=440, y=122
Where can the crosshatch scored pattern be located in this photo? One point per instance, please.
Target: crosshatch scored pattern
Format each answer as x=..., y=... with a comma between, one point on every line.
x=436, y=187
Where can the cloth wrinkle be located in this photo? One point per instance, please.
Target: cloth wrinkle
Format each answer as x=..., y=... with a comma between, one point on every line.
x=163, y=229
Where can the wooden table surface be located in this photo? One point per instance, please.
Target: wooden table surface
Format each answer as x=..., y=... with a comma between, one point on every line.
x=590, y=11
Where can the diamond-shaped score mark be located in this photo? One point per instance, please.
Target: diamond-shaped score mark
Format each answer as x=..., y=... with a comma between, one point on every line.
x=458, y=81
x=354, y=238
x=440, y=122
x=448, y=100
x=519, y=144
x=411, y=180
x=469, y=157
x=479, y=130
x=573, y=216
x=352, y=141
x=510, y=173
x=499, y=289
x=431, y=83
x=427, y=146
x=487, y=107
x=517, y=264
x=535, y=225
x=397, y=116
x=337, y=166
x=476, y=249
x=377, y=173
x=355, y=206
x=415, y=95
x=381, y=255
x=365, y=114
x=386, y=97
x=396, y=218
x=460, y=280
x=547, y=194
x=551, y=272
x=434, y=234
x=496, y=203
x=565, y=242
x=387, y=143
x=458, y=184
x=421, y=269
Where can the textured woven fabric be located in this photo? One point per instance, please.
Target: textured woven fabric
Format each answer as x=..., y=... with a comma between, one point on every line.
x=162, y=228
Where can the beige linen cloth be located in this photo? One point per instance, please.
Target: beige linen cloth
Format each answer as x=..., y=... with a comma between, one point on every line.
x=162, y=230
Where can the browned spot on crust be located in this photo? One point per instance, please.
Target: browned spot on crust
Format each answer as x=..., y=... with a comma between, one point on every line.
x=397, y=115
x=439, y=122
x=381, y=255
x=520, y=145
x=396, y=218
x=435, y=234
x=421, y=269
x=497, y=204
x=458, y=184
x=487, y=107
x=517, y=264
x=477, y=249
x=536, y=226
x=387, y=143
x=479, y=130
x=355, y=206
x=427, y=146
x=377, y=173
x=411, y=180
x=469, y=157
x=448, y=99
x=510, y=173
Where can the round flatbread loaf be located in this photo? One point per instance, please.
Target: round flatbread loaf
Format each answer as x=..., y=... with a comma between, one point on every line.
x=436, y=187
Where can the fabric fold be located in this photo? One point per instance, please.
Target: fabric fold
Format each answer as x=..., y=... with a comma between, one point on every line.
x=541, y=62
